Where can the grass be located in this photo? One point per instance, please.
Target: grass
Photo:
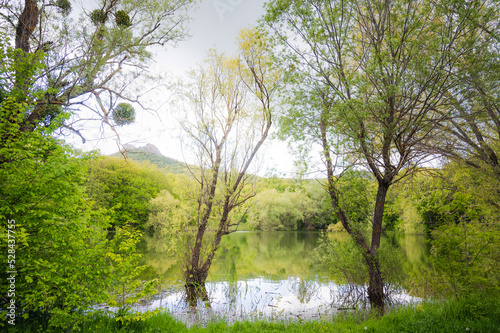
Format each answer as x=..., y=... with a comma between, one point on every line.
x=465, y=315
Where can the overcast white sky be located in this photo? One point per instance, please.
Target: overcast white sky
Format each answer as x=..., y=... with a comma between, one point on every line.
x=215, y=24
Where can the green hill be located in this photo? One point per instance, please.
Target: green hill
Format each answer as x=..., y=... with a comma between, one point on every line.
x=152, y=155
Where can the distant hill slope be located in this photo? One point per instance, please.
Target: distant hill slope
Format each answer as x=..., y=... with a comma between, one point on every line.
x=153, y=155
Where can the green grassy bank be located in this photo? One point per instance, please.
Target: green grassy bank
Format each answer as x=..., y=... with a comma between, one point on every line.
x=465, y=315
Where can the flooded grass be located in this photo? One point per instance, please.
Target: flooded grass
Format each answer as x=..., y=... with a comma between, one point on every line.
x=262, y=276
x=465, y=315
x=261, y=299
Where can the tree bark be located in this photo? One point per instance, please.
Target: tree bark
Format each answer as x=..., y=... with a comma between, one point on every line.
x=195, y=292
x=376, y=285
x=378, y=214
x=26, y=25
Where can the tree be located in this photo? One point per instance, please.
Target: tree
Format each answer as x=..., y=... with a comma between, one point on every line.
x=272, y=210
x=464, y=230
x=91, y=57
x=471, y=130
x=369, y=79
x=461, y=206
x=228, y=116
x=124, y=188
x=53, y=240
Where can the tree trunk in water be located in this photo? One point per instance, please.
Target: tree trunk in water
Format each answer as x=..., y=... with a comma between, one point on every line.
x=195, y=285
x=196, y=272
x=196, y=291
x=376, y=285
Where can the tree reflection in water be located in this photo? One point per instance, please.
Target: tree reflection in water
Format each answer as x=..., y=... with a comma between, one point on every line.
x=261, y=298
x=268, y=275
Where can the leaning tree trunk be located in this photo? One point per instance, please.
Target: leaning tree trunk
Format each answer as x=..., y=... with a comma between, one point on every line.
x=194, y=273
x=376, y=294
x=195, y=277
x=370, y=252
x=197, y=272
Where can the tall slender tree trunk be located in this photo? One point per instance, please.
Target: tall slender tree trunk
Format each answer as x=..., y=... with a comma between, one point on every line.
x=376, y=285
x=378, y=214
x=376, y=294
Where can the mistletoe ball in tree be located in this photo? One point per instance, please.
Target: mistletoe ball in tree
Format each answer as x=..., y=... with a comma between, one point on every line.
x=124, y=114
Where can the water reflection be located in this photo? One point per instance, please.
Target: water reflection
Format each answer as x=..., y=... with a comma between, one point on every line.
x=268, y=275
x=261, y=298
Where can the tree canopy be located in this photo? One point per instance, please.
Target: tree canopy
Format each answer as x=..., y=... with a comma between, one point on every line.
x=93, y=52
x=367, y=80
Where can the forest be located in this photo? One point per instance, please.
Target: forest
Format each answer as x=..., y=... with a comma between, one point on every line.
x=399, y=100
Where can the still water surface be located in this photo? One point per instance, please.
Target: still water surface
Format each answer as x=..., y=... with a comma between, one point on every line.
x=267, y=275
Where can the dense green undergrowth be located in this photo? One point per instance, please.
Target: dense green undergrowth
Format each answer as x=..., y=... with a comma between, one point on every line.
x=465, y=315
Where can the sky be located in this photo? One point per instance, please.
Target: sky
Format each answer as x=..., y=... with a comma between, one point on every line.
x=215, y=24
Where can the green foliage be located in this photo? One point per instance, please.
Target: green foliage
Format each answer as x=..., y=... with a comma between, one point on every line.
x=462, y=223
x=346, y=261
x=54, y=236
x=98, y=16
x=63, y=260
x=64, y=5
x=279, y=184
x=170, y=225
x=166, y=164
x=20, y=96
x=124, y=113
x=323, y=213
x=467, y=259
x=122, y=19
x=41, y=191
x=59, y=240
x=356, y=193
x=287, y=204
x=364, y=83
x=124, y=188
x=401, y=213
x=335, y=227
x=272, y=210
x=172, y=214
x=451, y=196
x=91, y=53
x=410, y=221
x=124, y=281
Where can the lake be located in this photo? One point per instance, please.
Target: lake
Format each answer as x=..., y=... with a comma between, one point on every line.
x=270, y=275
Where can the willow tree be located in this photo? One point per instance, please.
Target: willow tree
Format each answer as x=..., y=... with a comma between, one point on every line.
x=91, y=56
x=228, y=115
x=367, y=79
x=472, y=126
